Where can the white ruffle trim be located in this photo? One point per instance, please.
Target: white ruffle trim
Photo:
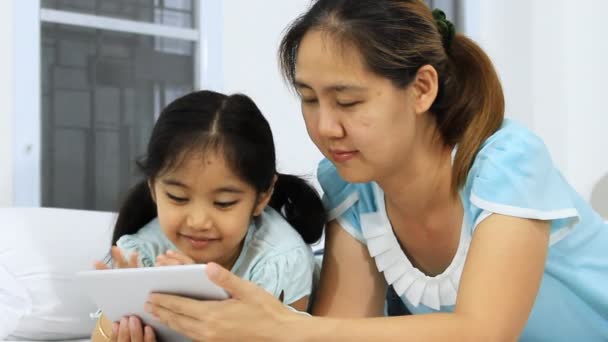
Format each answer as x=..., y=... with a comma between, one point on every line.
x=409, y=282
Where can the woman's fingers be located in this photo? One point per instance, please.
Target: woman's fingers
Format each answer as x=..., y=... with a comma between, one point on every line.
x=237, y=288
x=158, y=303
x=186, y=322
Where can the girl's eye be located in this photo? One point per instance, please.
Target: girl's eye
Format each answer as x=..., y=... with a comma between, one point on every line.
x=225, y=205
x=311, y=100
x=176, y=198
x=348, y=104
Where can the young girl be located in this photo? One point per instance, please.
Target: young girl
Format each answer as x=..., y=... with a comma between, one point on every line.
x=212, y=194
x=433, y=197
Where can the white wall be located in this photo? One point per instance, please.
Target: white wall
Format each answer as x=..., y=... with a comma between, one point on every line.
x=19, y=103
x=6, y=97
x=551, y=55
x=251, y=35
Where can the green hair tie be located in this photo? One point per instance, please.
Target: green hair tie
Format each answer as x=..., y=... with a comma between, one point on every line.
x=446, y=28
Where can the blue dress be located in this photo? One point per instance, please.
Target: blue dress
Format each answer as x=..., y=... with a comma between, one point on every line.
x=511, y=175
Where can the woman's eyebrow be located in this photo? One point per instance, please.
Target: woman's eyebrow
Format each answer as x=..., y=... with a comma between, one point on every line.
x=338, y=87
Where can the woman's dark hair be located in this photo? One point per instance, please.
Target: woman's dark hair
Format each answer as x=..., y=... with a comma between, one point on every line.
x=395, y=39
x=233, y=125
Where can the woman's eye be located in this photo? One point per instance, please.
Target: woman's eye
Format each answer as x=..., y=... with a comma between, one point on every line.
x=177, y=198
x=348, y=104
x=225, y=205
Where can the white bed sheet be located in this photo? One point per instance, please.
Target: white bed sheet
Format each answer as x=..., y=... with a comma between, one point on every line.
x=86, y=340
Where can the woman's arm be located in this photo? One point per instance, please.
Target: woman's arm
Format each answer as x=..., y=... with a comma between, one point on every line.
x=499, y=284
x=350, y=284
x=498, y=287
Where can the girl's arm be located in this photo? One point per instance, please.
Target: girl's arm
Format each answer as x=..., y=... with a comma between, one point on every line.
x=499, y=284
x=350, y=284
x=102, y=331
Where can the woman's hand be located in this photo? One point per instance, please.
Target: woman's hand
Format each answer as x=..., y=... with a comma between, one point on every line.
x=252, y=314
x=118, y=260
x=131, y=329
x=173, y=258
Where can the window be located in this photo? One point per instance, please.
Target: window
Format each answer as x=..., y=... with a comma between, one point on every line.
x=108, y=67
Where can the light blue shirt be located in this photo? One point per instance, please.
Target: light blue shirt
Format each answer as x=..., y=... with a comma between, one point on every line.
x=511, y=175
x=274, y=255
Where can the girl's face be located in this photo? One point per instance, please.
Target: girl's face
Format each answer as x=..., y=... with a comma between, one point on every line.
x=360, y=121
x=205, y=209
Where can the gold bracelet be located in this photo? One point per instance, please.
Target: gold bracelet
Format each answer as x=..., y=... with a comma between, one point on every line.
x=100, y=328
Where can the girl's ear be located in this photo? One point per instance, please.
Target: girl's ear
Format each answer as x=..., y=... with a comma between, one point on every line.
x=264, y=198
x=151, y=188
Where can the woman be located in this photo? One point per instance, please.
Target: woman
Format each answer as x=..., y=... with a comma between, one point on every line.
x=432, y=195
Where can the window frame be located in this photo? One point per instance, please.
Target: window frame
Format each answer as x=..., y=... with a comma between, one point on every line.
x=27, y=82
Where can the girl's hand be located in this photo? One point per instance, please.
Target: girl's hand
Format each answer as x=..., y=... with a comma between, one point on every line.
x=118, y=261
x=173, y=258
x=131, y=329
x=252, y=314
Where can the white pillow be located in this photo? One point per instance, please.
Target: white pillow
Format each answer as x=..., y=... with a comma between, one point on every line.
x=40, y=250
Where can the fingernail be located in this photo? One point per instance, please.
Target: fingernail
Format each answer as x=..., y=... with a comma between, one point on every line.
x=115, y=328
x=132, y=323
x=170, y=251
x=123, y=322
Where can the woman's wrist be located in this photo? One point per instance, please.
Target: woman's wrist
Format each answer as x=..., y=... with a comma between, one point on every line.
x=300, y=327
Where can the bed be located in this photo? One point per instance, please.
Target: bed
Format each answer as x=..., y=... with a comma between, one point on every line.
x=40, y=251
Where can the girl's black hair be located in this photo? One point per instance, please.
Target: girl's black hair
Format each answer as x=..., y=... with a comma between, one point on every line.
x=202, y=121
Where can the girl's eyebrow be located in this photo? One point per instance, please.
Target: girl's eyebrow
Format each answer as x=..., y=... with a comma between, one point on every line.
x=229, y=189
x=173, y=182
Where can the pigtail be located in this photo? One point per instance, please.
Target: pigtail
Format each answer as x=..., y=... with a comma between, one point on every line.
x=301, y=205
x=137, y=210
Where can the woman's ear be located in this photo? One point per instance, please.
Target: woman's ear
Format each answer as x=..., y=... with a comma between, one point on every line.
x=264, y=198
x=151, y=188
x=426, y=87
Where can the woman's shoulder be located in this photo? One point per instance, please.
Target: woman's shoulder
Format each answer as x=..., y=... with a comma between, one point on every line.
x=513, y=174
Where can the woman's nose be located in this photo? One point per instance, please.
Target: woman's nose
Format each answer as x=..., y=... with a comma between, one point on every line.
x=328, y=125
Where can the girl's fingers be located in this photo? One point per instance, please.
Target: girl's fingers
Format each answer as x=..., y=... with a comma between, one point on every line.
x=136, y=332
x=123, y=331
x=181, y=257
x=114, y=335
x=117, y=259
x=149, y=335
x=133, y=260
x=101, y=265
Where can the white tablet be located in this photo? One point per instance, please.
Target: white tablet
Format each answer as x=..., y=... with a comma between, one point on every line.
x=123, y=292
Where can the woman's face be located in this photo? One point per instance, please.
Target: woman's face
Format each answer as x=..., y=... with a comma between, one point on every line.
x=360, y=121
